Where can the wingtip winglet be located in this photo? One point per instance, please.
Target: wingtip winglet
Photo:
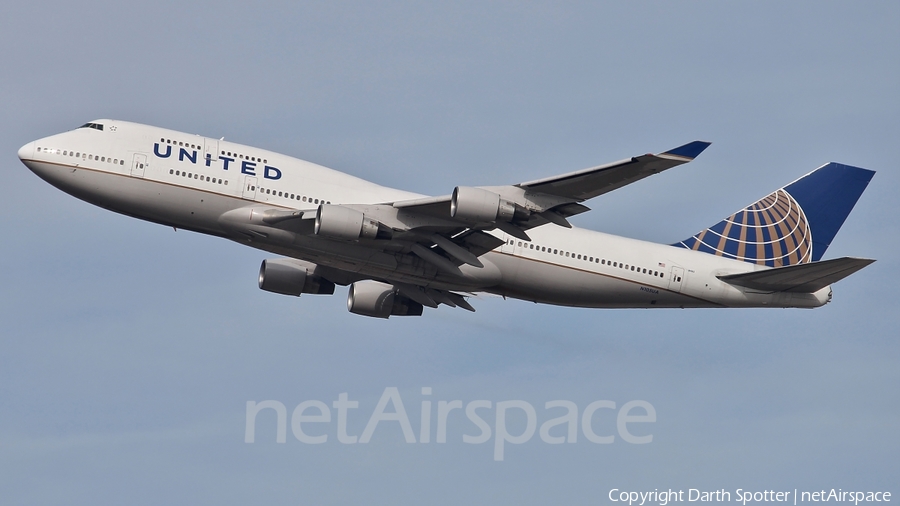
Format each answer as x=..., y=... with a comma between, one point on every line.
x=690, y=150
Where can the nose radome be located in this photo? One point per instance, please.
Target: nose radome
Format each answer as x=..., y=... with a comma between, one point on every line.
x=26, y=152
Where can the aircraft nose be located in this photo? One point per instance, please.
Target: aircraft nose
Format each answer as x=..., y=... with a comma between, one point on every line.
x=26, y=152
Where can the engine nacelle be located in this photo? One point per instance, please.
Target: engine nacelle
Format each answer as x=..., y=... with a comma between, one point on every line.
x=478, y=205
x=292, y=277
x=380, y=300
x=341, y=222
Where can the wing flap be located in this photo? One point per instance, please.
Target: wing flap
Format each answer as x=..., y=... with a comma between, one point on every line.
x=431, y=206
x=801, y=278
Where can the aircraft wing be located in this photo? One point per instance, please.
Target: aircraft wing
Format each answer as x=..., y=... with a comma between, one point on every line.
x=588, y=183
x=448, y=231
x=562, y=192
x=800, y=278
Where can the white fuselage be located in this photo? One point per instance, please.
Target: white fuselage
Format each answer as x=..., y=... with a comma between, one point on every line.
x=193, y=182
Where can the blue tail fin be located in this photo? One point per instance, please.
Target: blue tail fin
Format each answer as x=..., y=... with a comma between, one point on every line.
x=793, y=225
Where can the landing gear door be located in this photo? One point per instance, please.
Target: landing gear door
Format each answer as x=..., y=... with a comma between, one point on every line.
x=249, y=188
x=676, y=279
x=138, y=163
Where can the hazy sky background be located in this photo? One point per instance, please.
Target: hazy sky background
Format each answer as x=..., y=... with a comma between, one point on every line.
x=128, y=351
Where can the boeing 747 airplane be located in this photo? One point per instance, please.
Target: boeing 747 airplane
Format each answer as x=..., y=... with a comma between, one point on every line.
x=400, y=252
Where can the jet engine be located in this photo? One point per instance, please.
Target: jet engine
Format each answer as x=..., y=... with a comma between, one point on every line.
x=292, y=277
x=339, y=222
x=478, y=205
x=380, y=300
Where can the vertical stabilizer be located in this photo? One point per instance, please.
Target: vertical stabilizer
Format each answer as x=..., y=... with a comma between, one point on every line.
x=790, y=226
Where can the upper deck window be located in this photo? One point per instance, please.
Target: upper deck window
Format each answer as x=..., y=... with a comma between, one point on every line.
x=95, y=126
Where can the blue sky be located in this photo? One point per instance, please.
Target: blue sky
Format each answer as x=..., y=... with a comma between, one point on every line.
x=128, y=351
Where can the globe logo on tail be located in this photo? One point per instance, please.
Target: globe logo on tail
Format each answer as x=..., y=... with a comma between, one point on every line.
x=774, y=231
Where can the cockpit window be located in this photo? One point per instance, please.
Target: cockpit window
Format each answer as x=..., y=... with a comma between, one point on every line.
x=95, y=126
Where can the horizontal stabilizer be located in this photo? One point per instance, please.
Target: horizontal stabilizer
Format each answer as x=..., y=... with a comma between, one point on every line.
x=800, y=278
